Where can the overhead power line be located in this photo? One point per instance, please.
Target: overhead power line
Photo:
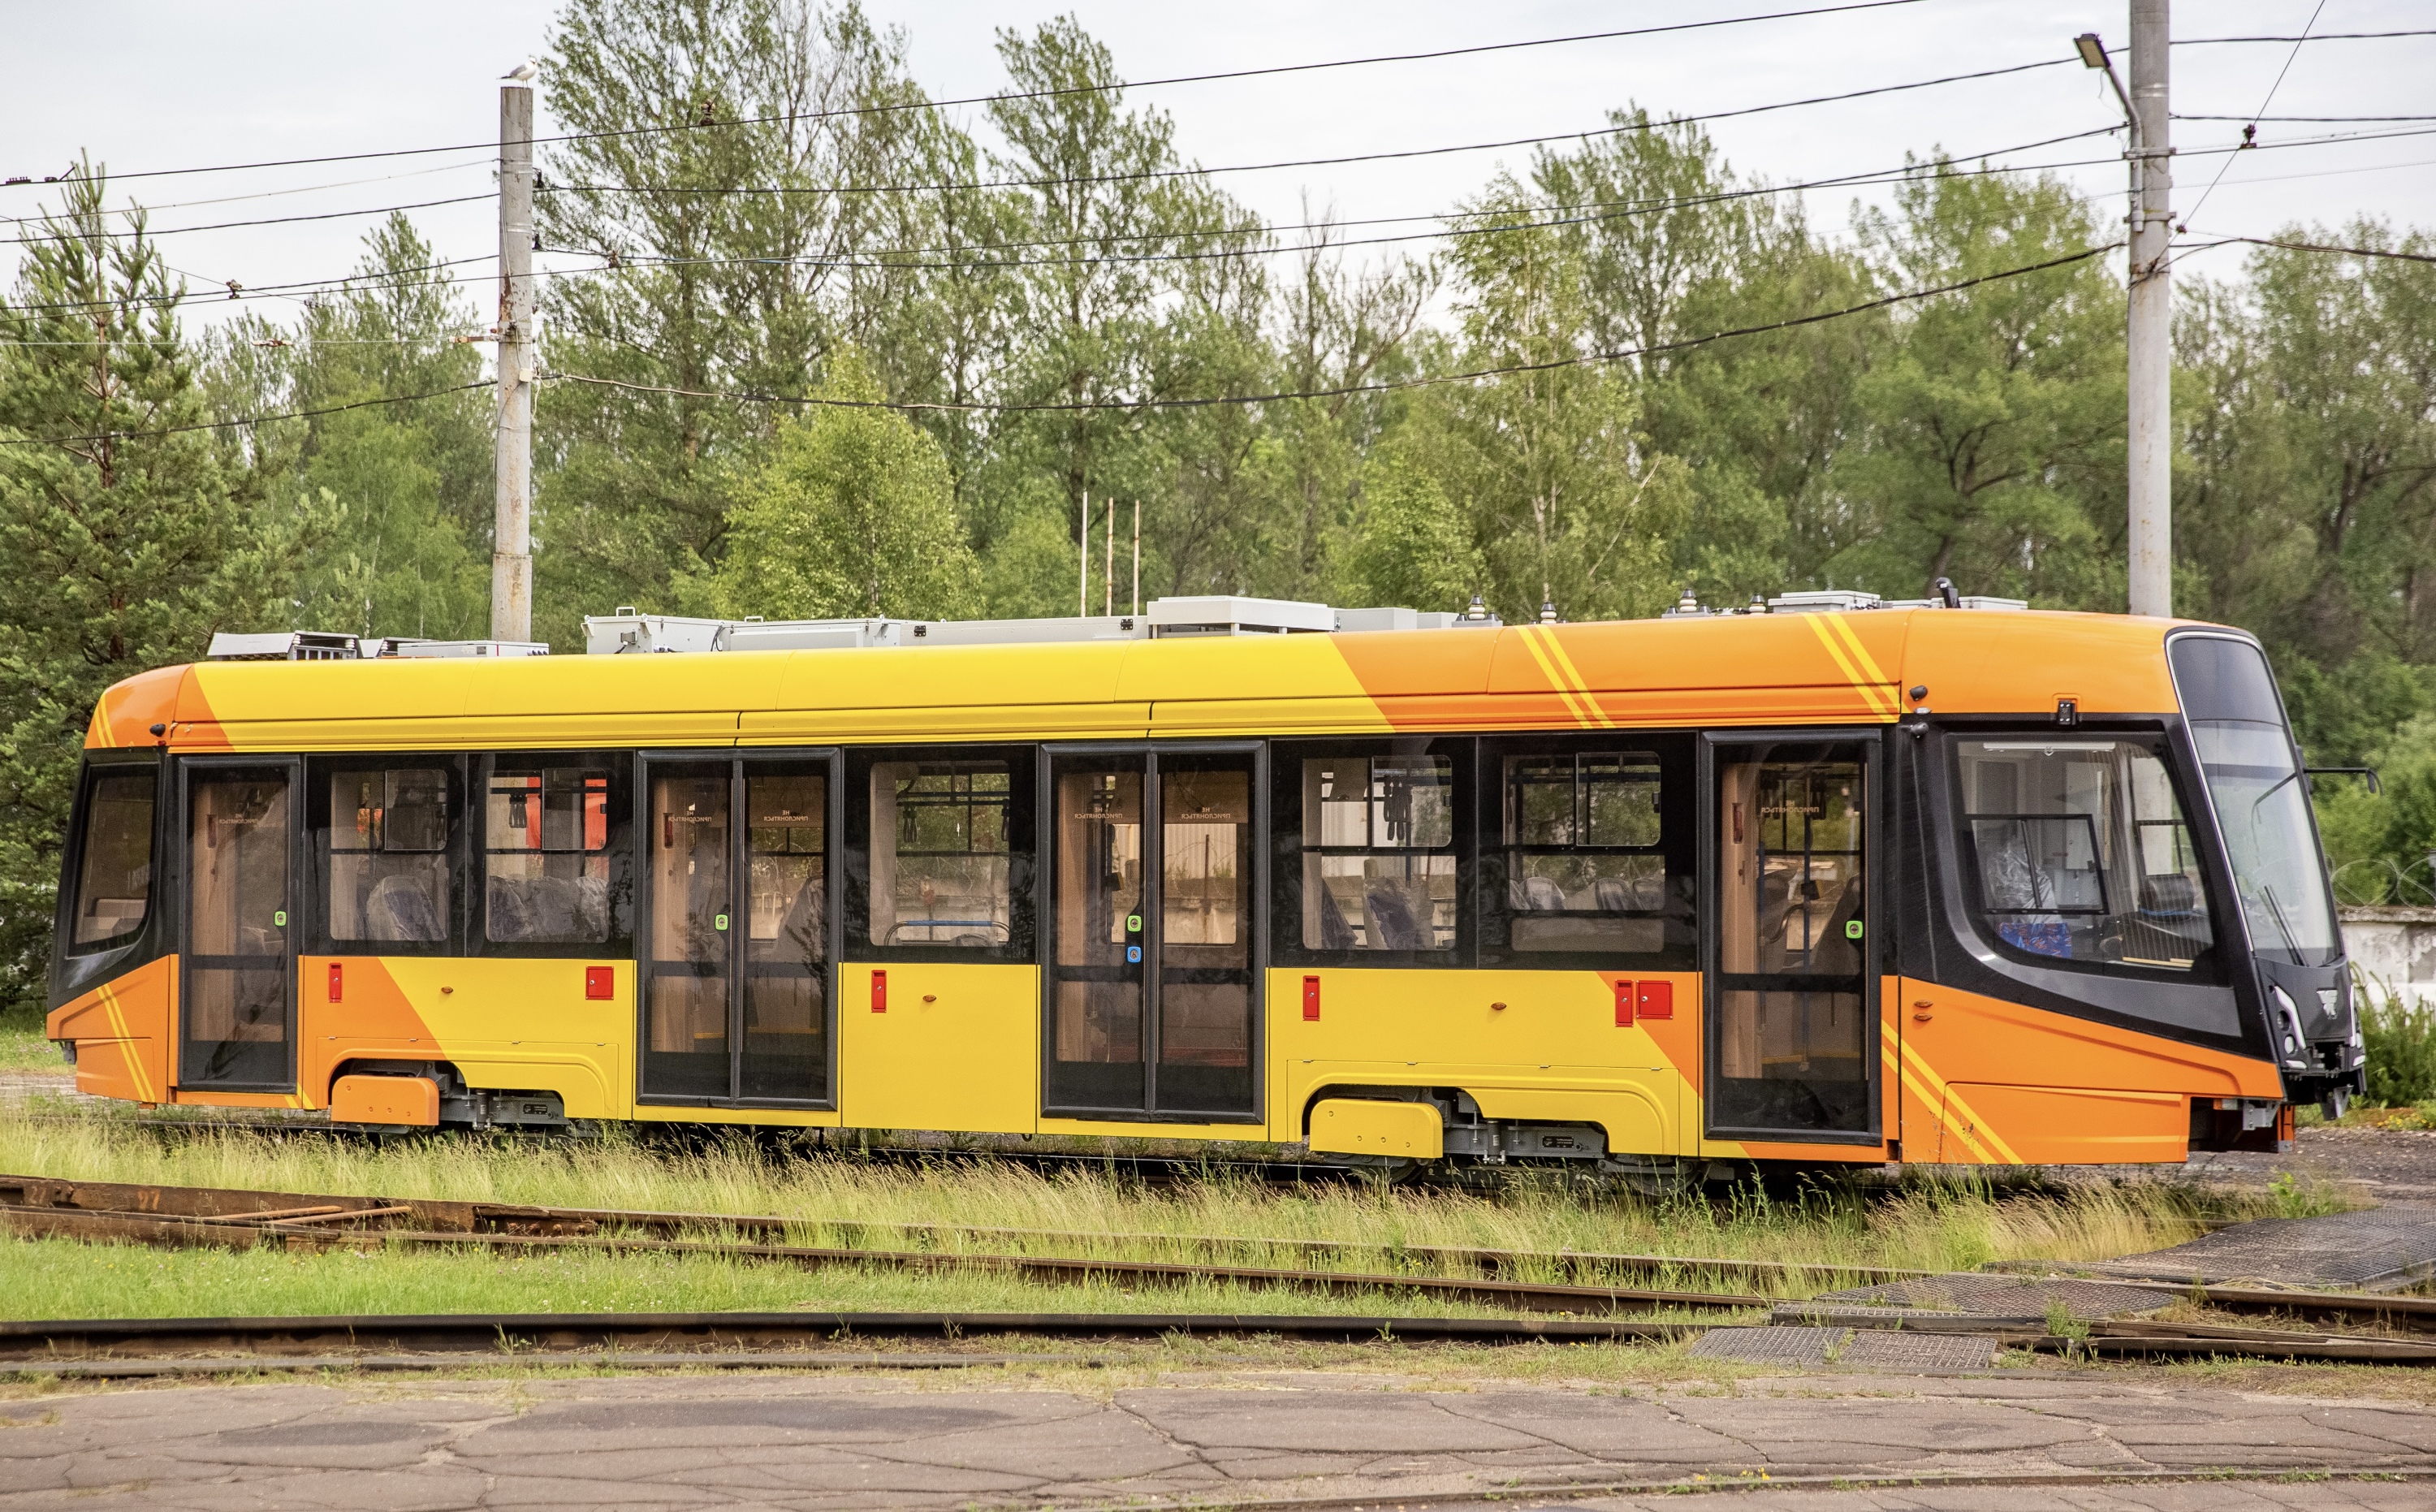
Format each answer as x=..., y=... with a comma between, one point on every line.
x=1039, y=94
x=1624, y=208
x=240, y=419
x=1619, y=355
x=2215, y=240
x=2310, y=36
x=1180, y=172
x=227, y=225
x=1319, y=162
x=2251, y=131
x=2302, y=120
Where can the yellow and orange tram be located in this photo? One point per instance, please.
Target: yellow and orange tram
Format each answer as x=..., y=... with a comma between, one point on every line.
x=1833, y=881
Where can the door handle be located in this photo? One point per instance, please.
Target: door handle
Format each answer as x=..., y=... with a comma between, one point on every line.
x=1922, y=1012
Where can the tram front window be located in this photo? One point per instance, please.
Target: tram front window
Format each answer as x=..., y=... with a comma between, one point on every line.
x=2081, y=851
x=2261, y=798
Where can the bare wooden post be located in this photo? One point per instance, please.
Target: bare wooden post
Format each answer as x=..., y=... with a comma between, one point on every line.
x=1136, y=558
x=1083, y=557
x=1109, y=572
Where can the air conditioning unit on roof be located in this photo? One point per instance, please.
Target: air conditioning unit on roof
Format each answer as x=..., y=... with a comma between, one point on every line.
x=284, y=646
x=1220, y=614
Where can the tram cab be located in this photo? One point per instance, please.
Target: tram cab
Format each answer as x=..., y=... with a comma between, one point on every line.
x=1828, y=881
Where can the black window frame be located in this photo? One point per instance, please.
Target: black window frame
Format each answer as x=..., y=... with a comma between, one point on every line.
x=1677, y=753
x=2206, y=970
x=294, y=771
x=316, y=875
x=75, y=971
x=1880, y=943
x=625, y=805
x=1025, y=768
x=1286, y=758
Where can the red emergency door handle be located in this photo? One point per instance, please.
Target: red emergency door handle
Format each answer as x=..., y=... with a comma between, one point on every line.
x=1311, y=997
x=879, y=992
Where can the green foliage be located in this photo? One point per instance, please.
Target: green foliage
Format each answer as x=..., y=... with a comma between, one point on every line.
x=2319, y=442
x=1415, y=548
x=854, y=515
x=125, y=549
x=1992, y=434
x=718, y=289
x=2401, y=1050
x=2395, y=826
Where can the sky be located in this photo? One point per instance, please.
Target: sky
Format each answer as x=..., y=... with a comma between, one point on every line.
x=148, y=85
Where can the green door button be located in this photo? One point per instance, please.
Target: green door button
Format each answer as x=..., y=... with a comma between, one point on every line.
x=720, y=922
x=1851, y=929
x=1133, y=924
x=278, y=920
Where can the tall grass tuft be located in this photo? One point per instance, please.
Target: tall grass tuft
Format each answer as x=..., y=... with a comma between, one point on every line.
x=2401, y=1042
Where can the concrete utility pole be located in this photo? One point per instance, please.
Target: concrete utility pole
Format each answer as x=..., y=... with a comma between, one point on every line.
x=511, y=532
x=2152, y=332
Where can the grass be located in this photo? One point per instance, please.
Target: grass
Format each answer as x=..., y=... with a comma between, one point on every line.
x=62, y=1279
x=1924, y=1225
x=22, y=1049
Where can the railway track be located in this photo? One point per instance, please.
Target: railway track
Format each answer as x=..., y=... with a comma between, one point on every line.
x=108, y=1211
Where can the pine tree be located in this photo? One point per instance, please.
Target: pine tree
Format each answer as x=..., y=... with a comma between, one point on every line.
x=129, y=534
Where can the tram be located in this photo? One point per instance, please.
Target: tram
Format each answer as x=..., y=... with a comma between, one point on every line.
x=1826, y=881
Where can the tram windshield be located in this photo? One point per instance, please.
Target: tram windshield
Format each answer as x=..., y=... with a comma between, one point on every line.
x=2260, y=796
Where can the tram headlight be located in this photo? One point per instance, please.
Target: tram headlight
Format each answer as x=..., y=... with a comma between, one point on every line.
x=2288, y=1028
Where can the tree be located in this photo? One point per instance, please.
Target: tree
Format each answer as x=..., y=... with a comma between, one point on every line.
x=1991, y=444
x=401, y=494
x=721, y=154
x=126, y=523
x=2309, y=510
x=1414, y=547
x=1568, y=503
x=1136, y=284
x=853, y=515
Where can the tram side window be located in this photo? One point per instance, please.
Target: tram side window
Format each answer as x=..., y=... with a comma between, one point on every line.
x=114, y=859
x=546, y=842
x=2079, y=850
x=1584, y=868
x=942, y=861
x=388, y=859
x=1378, y=853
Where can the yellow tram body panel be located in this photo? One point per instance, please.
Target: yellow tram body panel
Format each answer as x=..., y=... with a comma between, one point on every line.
x=958, y=1048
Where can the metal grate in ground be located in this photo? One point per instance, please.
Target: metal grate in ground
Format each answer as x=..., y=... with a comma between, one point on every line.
x=1902, y=1349
x=1775, y=1344
x=2383, y=1249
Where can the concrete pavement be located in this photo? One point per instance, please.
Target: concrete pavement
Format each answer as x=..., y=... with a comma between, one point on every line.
x=823, y=1441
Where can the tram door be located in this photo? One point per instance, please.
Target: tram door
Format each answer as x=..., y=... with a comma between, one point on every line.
x=236, y=1010
x=737, y=961
x=1152, y=993
x=1792, y=1009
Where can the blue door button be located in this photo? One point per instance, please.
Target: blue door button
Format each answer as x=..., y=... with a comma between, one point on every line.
x=1133, y=955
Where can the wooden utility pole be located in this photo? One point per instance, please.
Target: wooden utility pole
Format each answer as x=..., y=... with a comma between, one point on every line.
x=2152, y=332
x=511, y=531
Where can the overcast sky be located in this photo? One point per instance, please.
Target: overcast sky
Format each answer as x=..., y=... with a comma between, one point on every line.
x=160, y=86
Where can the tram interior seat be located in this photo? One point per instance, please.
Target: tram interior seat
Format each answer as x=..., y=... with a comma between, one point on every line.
x=1334, y=933
x=1392, y=925
x=400, y=908
x=549, y=908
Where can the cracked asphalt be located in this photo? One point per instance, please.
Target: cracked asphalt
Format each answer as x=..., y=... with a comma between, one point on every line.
x=1990, y=1444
